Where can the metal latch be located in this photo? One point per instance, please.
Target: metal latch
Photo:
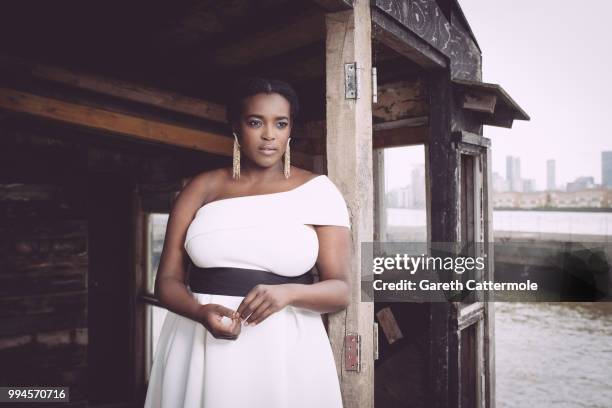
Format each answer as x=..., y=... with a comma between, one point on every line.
x=375, y=341
x=352, y=352
x=351, y=85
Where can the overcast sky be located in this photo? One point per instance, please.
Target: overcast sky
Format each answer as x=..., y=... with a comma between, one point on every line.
x=554, y=58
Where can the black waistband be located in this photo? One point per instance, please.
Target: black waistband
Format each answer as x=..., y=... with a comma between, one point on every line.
x=237, y=281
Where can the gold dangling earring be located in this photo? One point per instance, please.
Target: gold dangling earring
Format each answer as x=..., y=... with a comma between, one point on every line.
x=236, y=158
x=287, y=160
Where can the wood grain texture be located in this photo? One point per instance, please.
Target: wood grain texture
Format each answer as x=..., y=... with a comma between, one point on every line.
x=43, y=298
x=425, y=19
x=443, y=217
x=133, y=92
x=114, y=122
x=302, y=30
x=400, y=100
x=406, y=43
x=125, y=124
x=349, y=163
x=389, y=325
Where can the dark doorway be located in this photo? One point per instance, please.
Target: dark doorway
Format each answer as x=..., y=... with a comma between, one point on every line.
x=109, y=206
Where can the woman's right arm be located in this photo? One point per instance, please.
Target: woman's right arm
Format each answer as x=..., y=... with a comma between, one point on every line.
x=170, y=282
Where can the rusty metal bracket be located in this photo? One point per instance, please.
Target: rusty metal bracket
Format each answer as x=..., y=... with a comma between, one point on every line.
x=352, y=352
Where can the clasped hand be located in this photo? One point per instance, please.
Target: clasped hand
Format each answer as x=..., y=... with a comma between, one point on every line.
x=257, y=305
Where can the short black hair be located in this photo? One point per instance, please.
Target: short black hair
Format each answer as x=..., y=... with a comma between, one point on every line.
x=246, y=87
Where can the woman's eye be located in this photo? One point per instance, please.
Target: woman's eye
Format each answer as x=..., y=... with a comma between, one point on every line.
x=283, y=124
x=253, y=122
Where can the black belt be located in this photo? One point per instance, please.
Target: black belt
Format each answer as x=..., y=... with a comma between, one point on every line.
x=237, y=281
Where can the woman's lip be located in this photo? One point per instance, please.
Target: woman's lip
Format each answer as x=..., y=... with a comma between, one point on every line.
x=267, y=151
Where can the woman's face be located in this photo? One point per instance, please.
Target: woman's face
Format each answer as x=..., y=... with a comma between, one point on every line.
x=264, y=128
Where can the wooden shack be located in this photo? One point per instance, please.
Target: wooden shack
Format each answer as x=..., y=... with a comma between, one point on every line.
x=108, y=107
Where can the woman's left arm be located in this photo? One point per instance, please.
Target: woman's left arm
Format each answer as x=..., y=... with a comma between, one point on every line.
x=332, y=292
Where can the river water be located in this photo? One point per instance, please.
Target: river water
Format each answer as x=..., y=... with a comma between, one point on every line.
x=553, y=354
x=547, y=354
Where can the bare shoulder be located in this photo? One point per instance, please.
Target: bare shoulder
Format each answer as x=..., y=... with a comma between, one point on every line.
x=205, y=184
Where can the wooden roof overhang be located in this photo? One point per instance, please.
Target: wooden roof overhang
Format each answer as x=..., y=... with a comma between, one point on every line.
x=490, y=102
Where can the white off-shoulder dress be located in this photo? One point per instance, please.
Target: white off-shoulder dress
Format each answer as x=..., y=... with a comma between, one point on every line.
x=286, y=360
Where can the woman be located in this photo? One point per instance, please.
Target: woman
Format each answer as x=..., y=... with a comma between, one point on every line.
x=247, y=330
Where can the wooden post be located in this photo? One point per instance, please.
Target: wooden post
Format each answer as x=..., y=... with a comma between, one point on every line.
x=380, y=209
x=489, y=320
x=444, y=227
x=349, y=154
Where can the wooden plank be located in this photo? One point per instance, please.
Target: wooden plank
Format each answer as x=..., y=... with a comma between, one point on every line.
x=405, y=42
x=489, y=314
x=389, y=325
x=400, y=123
x=470, y=138
x=401, y=100
x=444, y=227
x=125, y=124
x=133, y=92
x=479, y=102
x=406, y=136
x=467, y=198
x=115, y=122
x=305, y=29
x=335, y=5
x=298, y=66
x=349, y=164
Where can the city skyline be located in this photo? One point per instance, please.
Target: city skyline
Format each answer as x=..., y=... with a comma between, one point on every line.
x=557, y=75
x=514, y=176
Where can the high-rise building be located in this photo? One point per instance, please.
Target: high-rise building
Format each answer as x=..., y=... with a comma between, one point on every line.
x=551, y=181
x=517, y=181
x=509, y=171
x=606, y=169
x=513, y=173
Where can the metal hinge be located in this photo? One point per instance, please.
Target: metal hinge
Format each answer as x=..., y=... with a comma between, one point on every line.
x=352, y=352
x=351, y=81
x=374, y=85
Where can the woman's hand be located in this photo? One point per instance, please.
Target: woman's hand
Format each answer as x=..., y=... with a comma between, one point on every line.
x=211, y=315
x=262, y=301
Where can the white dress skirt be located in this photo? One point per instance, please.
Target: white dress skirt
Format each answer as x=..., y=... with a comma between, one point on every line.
x=285, y=361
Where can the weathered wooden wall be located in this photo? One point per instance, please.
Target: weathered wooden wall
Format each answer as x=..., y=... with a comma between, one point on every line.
x=43, y=287
x=65, y=261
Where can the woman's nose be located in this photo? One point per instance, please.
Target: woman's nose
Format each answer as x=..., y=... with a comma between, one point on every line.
x=268, y=134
